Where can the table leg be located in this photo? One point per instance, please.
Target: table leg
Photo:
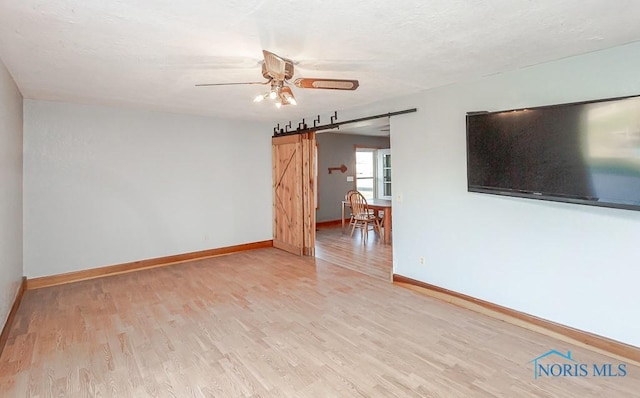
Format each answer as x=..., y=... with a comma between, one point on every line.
x=342, y=219
x=386, y=221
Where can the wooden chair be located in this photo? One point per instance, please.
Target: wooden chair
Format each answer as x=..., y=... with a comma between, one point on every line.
x=347, y=197
x=363, y=216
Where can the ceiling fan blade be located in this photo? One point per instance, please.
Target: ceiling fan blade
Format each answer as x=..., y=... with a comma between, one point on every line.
x=274, y=65
x=230, y=84
x=328, y=84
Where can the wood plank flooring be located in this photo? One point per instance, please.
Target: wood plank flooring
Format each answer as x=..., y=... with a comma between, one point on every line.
x=266, y=323
x=373, y=257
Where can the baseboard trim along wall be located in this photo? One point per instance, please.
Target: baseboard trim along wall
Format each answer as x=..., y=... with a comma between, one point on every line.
x=4, y=336
x=329, y=224
x=603, y=345
x=93, y=273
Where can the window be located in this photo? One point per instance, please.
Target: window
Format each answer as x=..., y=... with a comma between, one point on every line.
x=383, y=177
x=373, y=172
x=365, y=171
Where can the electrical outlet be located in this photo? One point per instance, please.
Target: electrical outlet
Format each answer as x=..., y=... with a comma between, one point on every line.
x=422, y=260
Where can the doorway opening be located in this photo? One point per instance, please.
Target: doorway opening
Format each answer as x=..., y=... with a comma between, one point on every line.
x=366, y=153
x=310, y=183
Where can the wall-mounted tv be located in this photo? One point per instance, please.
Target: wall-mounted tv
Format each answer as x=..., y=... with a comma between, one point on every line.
x=585, y=152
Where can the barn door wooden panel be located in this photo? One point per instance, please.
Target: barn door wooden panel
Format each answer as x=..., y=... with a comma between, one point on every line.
x=293, y=193
x=308, y=193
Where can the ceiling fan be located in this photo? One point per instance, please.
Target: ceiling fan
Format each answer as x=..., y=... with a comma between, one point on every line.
x=278, y=71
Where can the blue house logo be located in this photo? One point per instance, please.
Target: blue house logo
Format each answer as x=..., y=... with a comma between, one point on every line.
x=546, y=370
x=554, y=363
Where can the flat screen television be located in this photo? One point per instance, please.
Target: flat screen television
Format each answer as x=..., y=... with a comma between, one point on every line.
x=585, y=152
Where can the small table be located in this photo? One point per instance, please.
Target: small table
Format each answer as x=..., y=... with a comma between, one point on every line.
x=383, y=205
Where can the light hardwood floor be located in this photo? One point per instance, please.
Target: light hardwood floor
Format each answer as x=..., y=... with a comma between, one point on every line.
x=372, y=257
x=266, y=323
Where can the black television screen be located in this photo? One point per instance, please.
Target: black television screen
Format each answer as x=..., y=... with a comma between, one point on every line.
x=587, y=152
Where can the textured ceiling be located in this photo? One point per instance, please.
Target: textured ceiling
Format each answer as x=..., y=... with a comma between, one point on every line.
x=150, y=53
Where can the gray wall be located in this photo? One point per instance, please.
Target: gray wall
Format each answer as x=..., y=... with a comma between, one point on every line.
x=10, y=192
x=335, y=149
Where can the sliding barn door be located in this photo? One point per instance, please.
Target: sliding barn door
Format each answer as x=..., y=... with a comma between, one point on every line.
x=294, y=216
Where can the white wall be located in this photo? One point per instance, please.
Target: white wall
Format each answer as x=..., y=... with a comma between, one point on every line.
x=573, y=264
x=10, y=192
x=105, y=186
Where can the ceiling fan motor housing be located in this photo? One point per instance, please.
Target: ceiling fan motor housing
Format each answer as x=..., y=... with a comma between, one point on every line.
x=288, y=71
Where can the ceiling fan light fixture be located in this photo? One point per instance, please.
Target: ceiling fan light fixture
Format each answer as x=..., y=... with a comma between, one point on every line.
x=260, y=98
x=273, y=94
x=286, y=96
x=278, y=104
